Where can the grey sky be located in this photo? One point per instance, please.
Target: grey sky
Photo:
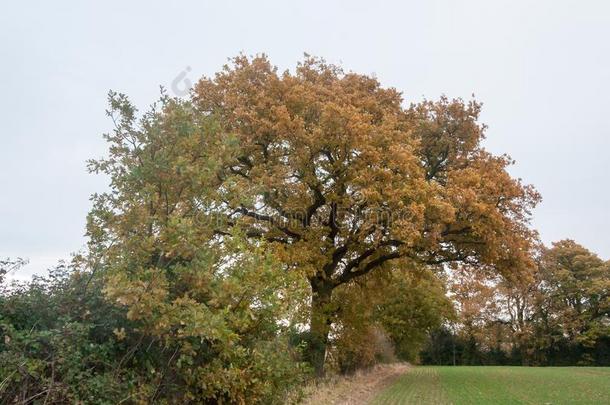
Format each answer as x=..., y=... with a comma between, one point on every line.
x=541, y=68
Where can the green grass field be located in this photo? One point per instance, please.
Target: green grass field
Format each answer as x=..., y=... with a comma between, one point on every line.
x=499, y=385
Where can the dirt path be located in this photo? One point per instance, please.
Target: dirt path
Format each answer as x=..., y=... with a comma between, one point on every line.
x=358, y=389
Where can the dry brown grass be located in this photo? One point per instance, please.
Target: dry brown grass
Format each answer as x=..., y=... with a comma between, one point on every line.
x=357, y=389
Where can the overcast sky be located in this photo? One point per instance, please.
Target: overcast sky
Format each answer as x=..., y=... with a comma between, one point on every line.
x=542, y=70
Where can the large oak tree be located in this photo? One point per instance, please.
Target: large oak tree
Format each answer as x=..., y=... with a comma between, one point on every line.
x=343, y=179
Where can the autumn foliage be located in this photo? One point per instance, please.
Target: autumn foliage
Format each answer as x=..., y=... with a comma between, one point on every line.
x=276, y=223
x=343, y=180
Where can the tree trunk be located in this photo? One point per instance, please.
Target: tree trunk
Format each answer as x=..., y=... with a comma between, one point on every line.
x=319, y=326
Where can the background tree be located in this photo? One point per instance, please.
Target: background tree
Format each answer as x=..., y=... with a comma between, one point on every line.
x=343, y=180
x=518, y=301
x=385, y=316
x=414, y=303
x=556, y=313
x=576, y=290
x=474, y=296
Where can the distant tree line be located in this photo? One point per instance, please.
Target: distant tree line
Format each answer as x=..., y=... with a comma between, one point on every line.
x=558, y=315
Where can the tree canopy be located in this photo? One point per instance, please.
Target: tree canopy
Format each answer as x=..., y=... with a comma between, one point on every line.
x=343, y=179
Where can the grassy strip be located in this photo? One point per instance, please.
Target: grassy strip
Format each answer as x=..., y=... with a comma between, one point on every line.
x=499, y=385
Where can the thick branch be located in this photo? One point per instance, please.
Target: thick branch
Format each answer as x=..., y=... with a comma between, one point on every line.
x=347, y=276
x=269, y=219
x=368, y=253
x=338, y=254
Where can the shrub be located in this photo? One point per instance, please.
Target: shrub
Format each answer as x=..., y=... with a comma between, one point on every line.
x=64, y=342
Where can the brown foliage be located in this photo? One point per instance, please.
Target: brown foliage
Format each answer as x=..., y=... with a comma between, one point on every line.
x=343, y=179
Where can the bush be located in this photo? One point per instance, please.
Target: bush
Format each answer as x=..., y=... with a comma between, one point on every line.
x=364, y=350
x=62, y=341
x=58, y=342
